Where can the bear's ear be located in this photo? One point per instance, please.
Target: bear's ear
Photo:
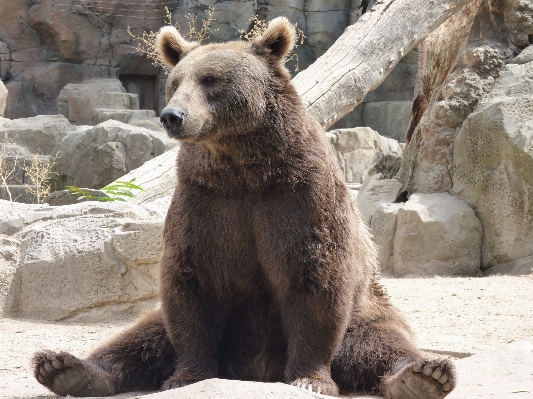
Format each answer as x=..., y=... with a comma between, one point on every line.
x=171, y=46
x=278, y=38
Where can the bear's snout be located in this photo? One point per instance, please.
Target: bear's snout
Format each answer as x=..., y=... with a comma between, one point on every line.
x=172, y=119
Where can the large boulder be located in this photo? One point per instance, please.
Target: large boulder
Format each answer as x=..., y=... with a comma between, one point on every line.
x=38, y=134
x=389, y=118
x=383, y=229
x=437, y=234
x=357, y=149
x=493, y=167
x=86, y=259
x=374, y=192
x=101, y=154
x=79, y=101
x=3, y=99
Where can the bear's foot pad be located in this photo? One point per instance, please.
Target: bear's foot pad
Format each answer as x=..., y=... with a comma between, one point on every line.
x=65, y=374
x=319, y=386
x=422, y=379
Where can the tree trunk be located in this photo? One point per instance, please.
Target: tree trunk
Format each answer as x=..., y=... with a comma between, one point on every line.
x=365, y=54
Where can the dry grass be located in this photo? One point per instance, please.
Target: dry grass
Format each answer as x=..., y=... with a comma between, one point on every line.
x=198, y=31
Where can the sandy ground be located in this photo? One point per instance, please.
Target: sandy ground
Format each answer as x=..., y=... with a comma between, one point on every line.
x=457, y=316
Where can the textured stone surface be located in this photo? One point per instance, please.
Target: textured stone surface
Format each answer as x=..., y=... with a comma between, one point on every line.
x=358, y=148
x=49, y=44
x=3, y=99
x=106, y=152
x=524, y=57
x=375, y=192
x=388, y=118
x=39, y=134
x=79, y=101
x=85, y=258
x=383, y=229
x=437, y=234
x=493, y=166
x=122, y=115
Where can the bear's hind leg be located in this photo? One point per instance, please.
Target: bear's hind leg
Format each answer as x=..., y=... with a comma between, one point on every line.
x=380, y=357
x=139, y=359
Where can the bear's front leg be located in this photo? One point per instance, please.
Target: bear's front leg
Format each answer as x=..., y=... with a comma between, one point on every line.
x=193, y=319
x=307, y=259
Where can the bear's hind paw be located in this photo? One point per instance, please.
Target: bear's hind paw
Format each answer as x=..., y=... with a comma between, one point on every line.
x=64, y=374
x=317, y=385
x=422, y=379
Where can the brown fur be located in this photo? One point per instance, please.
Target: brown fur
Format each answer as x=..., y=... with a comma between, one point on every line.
x=268, y=272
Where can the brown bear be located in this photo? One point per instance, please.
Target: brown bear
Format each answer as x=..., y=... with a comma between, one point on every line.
x=268, y=272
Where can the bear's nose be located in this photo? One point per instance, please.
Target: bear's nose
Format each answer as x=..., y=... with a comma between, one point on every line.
x=172, y=118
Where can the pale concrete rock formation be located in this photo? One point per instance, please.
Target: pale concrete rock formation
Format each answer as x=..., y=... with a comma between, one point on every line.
x=524, y=57
x=5, y=59
x=79, y=101
x=374, y=192
x=389, y=118
x=82, y=260
x=357, y=149
x=3, y=99
x=122, y=115
x=233, y=389
x=383, y=229
x=38, y=134
x=101, y=154
x=437, y=234
x=493, y=166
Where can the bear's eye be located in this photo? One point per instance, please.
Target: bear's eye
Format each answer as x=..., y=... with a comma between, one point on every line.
x=208, y=79
x=174, y=85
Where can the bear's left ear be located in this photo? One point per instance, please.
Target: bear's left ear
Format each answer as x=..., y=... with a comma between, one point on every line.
x=171, y=46
x=278, y=38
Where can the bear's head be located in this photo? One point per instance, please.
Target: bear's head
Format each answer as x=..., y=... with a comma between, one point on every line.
x=225, y=88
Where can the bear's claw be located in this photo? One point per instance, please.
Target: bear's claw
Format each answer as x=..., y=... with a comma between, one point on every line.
x=317, y=385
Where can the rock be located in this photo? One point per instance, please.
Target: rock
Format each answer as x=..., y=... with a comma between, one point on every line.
x=482, y=376
x=3, y=99
x=122, y=115
x=5, y=61
x=437, y=234
x=383, y=229
x=387, y=165
x=89, y=258
x=38, y=134
x=78, y=101
x=18, y=193
x=389, y=118
x=493, y=166
x=232, y=389
x=65, y=197
x=106, y=152
x=520, y=266
x=358, y=148
x=524, y=57
x=375, y=192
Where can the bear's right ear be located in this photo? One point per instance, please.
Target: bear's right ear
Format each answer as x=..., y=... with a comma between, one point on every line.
x=171, y=46
x=278, y=39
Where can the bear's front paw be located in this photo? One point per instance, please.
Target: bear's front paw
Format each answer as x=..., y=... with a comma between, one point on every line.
x=173, y=382
x=320, y=386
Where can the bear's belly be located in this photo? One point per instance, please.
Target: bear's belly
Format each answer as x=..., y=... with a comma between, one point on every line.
x=253, y=346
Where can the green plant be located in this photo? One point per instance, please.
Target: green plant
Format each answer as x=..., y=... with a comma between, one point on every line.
x=117, y=191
